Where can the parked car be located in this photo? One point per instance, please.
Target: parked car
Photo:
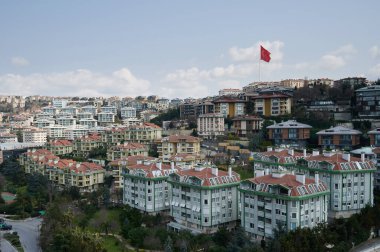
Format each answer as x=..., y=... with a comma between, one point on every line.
x=5, y=226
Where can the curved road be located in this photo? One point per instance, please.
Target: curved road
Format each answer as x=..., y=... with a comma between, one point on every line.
x=6, y=246
x=29, y=232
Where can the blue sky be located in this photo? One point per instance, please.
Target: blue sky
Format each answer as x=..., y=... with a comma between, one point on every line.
x=180, y=48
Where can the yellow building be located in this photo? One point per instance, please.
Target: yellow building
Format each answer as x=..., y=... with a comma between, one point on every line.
x=229, y=106
x=177, y=144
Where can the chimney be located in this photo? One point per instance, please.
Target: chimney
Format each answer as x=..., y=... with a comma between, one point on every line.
x=362, y=156
x=277, y=175
x=291, y=152
x=316, y=178
x=230, y=171
x=172, y=165
x=159, y=165
x=259, y=173
x=214, y=171
x=347, y=157
x=266, y=171
x=304, y=153
x=315, y=153
x=269, y=148
x=300, y=178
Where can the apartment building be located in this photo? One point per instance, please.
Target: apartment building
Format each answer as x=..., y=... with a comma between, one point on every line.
x=339, y=137
x=203, y=199
x=374, y=137
x=146, y=187
x=230, y=92
x=41, y=123
x=8, y=138
x=90, y=109
x=69, y=110
x=105, y=118
x=63, y=172
x=88, y=122
x=60, y=147
x=280, y=199
x=50, y=110
x=109, y=109
x=368, y=102
x=85, y=144
x=349, y=179
x=229, y=106
x=246, y=125
x=117, y=167
x=60, y=103
x=271, y=104
x=84, y=115
x=66, y=121
x=290, y=133
x=210, y=125
x=128, y=112
x=72, y=133
x=186, y=161
x=34, y=135
x=55, y=131
x=178, y=144
x=293, y=83
x=145, y=133
x=127, y=149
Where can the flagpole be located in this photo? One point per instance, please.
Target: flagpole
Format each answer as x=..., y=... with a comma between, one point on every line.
x=260, y=65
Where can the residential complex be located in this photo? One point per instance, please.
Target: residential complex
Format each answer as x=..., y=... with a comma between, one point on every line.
x=210, y=125
x=127, y=149
x=338, y=137
x=203, y=199
x=177, y=144
x=280, y=200
x=290, y=133
x=246, y=125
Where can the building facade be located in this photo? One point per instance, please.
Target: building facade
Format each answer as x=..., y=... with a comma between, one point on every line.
x=210, y=125
x=339, y=137
x=290, y=133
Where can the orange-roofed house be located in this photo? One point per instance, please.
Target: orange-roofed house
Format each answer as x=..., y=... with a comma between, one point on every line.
x=60, y=147
x=292, y=201
x=203, y=199
x=125, y=150
x=178, y=144
x=85, y=144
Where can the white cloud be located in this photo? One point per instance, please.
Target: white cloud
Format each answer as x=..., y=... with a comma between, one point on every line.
x=253, y=53
x=80, y=82
x=345, y=50
x=202, y=82
x=331, y=62
x=374, y=51
x=19, y=61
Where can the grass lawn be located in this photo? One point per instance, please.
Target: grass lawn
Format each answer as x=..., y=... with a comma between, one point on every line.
x=111, y=244
x=14, y=239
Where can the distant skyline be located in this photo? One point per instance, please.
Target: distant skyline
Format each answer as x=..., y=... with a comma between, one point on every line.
x=180, y=49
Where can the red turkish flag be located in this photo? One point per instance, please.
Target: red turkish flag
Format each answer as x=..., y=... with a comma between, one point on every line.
x=265, y=54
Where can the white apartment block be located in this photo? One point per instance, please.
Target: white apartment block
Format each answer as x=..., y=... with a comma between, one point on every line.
x=146, y=187
x=203, y=199
x=34, y=135
x=55, y=131
x=60, y=103
x=40, y=123
x=50, y=110
x=291, y=201
x=293, y=83
x=75, y=132
x=70, y=110
x=44, y=115
x=84, y=115
x=109, y=109
x=89, y=109
x=128, y=112
x=230, y=92
x=131, y=121
x=66, y=121
x=210, y=125
x=89, y=122
x=106, y=117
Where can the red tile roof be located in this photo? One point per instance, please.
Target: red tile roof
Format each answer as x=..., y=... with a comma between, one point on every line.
x=208, y=178
x=290, y=182
x=341, y=164
x=61, y=143
x=178, y=138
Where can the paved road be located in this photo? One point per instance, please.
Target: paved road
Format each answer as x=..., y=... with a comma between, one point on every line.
x=368, y=246
x=6, y=246
x=29, y=232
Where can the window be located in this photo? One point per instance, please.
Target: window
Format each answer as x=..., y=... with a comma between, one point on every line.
x=294, y=215
x=206, y=201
